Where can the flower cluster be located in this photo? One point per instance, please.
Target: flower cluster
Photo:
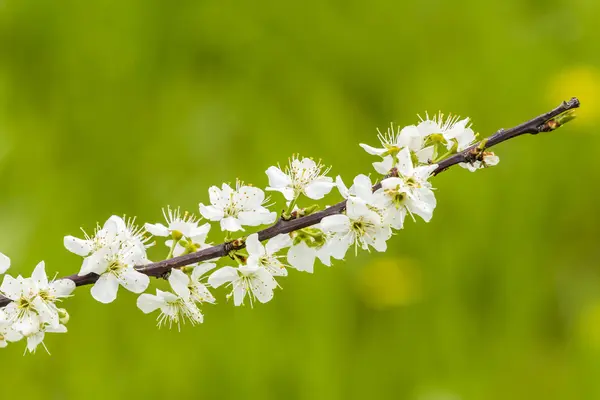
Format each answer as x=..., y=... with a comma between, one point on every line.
x=33, y=310
x=116, y=254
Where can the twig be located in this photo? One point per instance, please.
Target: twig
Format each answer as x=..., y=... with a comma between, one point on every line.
x=544, y=123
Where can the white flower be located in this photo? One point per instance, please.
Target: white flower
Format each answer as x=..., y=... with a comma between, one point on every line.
x=256, y=281
x=173, y=308
x=191, y=287
x=308, y=244
x=264, y=256
x=360, y=226
x=48, y=293
x=4, y=263
x=22, y=313
x=184, y=229
x=186, y=225
x=489, y=160
x=234, y=208
x=397, y=198
x=300, y=177
x=456, y=132
x=179, y=306
x=33, y=310
x=395, y=139
x=115, y=230
x=115, y=265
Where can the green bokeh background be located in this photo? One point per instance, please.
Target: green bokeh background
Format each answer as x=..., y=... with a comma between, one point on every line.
x=126, y=106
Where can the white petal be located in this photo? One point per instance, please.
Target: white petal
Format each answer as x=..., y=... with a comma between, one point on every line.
x=372, y=150
x=262, y=285
x=211, y=213
x=149, y=302
x=261, y=216
x=231, y=224
x=133, y=280
x=278, y=242
x=324, y=254
x=39, y=275
x=179, y=282
x=217, y=198
x=63, y=287
x=491, y=159
x=11, y=287
x=105, y=289
x=157, y=229
x=115, y=225
x=342, y=188
x=405, y=165
x=250, y=197
x=4, y=263
x=78, y=246
x=223, y=275
x=33, y=341
x=426, y=154
x=277, y=179
x=254, y=246
x=410, y=137
x=339, y=244
x=316, y=190
x=302, y=257
x=384, y=166
x=335, y=223
x=362, y=187
x=201, y=269
x=239, y=292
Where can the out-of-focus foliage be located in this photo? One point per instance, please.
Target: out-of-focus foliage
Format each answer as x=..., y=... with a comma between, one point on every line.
x=127, y=106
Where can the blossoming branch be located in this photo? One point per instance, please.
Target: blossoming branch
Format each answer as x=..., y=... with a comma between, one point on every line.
x=115, y=253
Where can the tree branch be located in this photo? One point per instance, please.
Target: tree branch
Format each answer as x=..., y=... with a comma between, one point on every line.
x=544, y=123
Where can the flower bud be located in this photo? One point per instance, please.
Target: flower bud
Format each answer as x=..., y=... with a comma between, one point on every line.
x=63, y=316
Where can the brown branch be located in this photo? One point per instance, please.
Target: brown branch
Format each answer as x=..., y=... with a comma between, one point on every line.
x=543, y=123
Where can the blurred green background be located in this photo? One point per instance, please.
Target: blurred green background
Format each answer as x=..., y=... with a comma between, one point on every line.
x=127, y=106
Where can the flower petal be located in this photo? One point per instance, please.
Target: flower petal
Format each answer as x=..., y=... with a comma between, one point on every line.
x=157, y=229
x=223, y=275
x=78, y=246
x=316, y=190
x=105, y=289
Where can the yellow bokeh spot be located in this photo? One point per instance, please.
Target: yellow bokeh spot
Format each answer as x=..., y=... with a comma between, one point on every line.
x=589, y=325
x=389, y=282
x=582, y=82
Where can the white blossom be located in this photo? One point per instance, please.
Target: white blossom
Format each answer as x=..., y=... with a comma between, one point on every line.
x=300, y=177
x=192, y=286
x=456, y=132
x=33, y=310
x=397, y=199
x=235, y=208
x=48, y=293
x=115, y=264
x=255, y=281
x=260, y=255
x=360, y=226
x=184, y=229
x=115, y=230
x=395, y=139
x=174, y=307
